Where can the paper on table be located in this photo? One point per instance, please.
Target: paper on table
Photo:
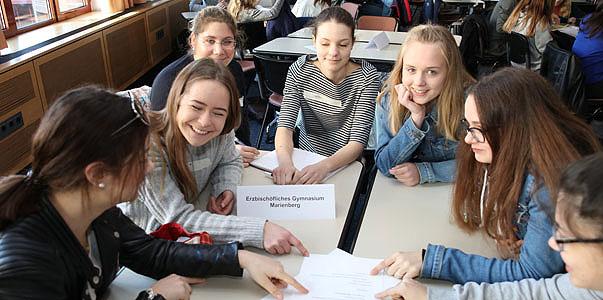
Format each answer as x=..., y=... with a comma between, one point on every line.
x=339, y=276
x=301, y=159
x=379, y=41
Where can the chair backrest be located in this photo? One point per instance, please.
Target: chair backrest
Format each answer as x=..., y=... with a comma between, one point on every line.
x=352, y=8
x=272, y=73
x=518, y=49
x=474, y=43
x=564, y=71
x=377, y=23
x=253, y=35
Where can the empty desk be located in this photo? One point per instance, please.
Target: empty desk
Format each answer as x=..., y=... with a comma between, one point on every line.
x=365, y=36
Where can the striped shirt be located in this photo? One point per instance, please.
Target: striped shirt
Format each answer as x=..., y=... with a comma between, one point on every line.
x=332, y=114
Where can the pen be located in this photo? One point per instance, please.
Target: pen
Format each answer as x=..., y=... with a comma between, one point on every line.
x=267, y=174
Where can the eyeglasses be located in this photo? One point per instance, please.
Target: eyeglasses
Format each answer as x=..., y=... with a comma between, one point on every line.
x=139, y=113
x=476, y=133
x=227, y=43
x=560, y=241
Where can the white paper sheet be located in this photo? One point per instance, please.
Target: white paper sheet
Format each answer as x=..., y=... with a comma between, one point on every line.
x=379, y=41
x=301, y=159
x=339, y=276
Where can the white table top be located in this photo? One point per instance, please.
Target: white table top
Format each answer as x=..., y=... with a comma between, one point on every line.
x=295, y=46
x=400, y=218
x=363, y=35
x=319, y=237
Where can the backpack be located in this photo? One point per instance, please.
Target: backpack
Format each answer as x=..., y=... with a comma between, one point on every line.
x=474, y=44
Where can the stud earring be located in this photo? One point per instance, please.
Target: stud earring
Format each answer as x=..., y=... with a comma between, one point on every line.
x=101, y=185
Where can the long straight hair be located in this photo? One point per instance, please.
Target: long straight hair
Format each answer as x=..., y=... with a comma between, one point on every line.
x=594, y=24
x=537, y=14
x=450, y=100
x=235, y=7
x=168, y=135
x=81, y=127
x=529, y=130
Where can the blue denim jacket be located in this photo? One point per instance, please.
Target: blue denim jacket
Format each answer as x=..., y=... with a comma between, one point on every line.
x=433, y=154
x=536, y=258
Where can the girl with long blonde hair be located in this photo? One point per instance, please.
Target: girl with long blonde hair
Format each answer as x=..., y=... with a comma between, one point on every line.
x=418, y=112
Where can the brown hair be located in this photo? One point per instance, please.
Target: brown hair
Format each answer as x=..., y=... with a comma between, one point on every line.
x=594, y=24
x=171, y=139
x=529, y=131
x=236, y=6
x=78, y=129
x=209, y=15
x=450, y=100
x=334, y=14
x=322, y=2
x=537, y=13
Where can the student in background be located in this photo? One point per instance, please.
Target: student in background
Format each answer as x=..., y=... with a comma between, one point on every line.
x=519, y=137
x=589, y=48
x=213, y=35
x=419, y=111
x=578, y=236
x=61, y=236
x=497, y=37
x=309, y=8
x=336, y=97
x=194, y=148
x=532, y=18
x=245, y=11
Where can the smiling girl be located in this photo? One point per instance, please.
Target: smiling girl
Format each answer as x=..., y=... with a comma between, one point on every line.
x=194, y=148
x=336, y=98
x=419, y=111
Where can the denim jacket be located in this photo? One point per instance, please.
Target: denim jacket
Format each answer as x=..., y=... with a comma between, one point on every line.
x=433, y=154
x=536, y=259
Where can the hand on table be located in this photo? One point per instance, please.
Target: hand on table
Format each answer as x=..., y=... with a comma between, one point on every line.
x=223, y=204
x=401, y=264
x=248, y=154
x=284, y=174
x=278, y=240
x=175, y=287
x=312, y=174
x=406, y=173
x=408, y=289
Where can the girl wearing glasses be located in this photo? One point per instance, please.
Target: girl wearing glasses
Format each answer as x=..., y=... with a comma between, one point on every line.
x=61, y=236
x=519, y=137
x=194, y=148
x=336, y=98
x=578, y=237
x=417, y=116
x=213, y=35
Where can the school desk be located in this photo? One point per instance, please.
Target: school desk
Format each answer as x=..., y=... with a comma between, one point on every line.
x=365, y=36
x=319, y=236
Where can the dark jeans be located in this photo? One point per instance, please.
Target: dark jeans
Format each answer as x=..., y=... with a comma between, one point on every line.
x=431, y=9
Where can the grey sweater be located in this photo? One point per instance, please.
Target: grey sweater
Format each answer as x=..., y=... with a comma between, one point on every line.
x=260, y=13
x=557, y=287
x=216, y=164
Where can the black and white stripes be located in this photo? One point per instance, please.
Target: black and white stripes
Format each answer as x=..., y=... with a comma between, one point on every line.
x=332, y=114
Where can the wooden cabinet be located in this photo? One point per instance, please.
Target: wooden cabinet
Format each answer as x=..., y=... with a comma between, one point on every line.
x=81, y=62
x=127, y=51
x=20, y=112
x=158, y=33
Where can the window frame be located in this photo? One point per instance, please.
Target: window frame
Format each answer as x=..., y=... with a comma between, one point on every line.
x=11, y=24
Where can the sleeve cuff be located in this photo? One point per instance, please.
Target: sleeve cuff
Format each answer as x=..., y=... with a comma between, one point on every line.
x=413, y=132
x=425, y=173
x=432, y=263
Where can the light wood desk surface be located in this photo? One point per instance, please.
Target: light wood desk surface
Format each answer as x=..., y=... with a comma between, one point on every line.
x=298, y=47
x=319, y=236
x=400, y=218
x=365, y=36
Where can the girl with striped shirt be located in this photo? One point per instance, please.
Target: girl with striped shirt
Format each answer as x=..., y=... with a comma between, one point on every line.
x=336, y=97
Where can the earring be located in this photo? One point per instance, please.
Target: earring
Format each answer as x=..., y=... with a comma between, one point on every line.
x=101, y=185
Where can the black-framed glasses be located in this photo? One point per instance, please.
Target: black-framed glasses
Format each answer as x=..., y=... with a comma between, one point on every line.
x=561, y=241
x=476, y=133
x=139, y=113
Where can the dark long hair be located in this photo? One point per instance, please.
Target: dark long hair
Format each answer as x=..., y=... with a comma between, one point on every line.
x=594, y=24
x=581, y=194
x=529, y=130
x=78, y=129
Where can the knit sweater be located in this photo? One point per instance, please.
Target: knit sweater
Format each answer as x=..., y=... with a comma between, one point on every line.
x=217, y=164
x=260, y=13
x=557, y=287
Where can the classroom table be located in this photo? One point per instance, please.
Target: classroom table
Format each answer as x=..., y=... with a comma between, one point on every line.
x=297, y=47
x=319, y=237
x=365, y=36
x=401, y=218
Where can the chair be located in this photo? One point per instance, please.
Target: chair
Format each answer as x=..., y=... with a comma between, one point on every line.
x=564, y=71
x=272, y=72
x=352, y=8
x=377, y=23
x=518, y=49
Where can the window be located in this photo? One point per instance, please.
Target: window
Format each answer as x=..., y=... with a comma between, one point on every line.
x=2, y=26
x=24, y=15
